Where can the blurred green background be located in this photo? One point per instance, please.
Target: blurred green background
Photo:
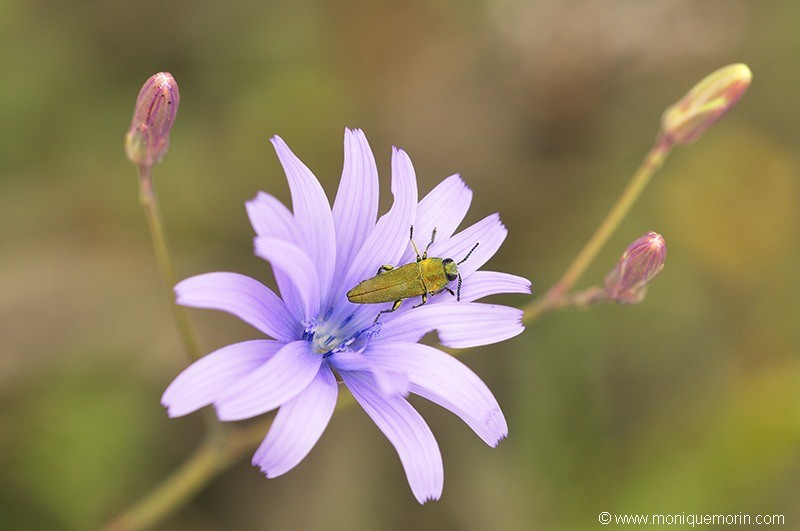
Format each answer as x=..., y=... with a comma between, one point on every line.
x=688, y=403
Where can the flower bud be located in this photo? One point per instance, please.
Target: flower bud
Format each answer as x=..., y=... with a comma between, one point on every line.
x=639, y=264
x=148, y=137
x=705, y=103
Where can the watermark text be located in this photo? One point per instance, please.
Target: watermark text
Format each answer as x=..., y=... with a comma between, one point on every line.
x=691, y=519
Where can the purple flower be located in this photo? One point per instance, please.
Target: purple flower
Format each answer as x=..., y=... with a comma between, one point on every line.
x=317, y=254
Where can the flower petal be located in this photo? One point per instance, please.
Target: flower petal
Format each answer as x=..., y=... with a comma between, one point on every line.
x=387, y=243
x=443, y=379
x=281, y=378
x=459, y=325
x=389, y=381
x=444, y=209
x=293, y=262
x=489, y=233
x=298, y=426
x=270, y=218
x=484, y=283
x=312, y=212
x=205, y=379
x=246, y=298
x=356, y=206
x=408, y=433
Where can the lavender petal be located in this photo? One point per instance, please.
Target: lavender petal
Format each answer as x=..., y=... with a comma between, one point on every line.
x=442, y=209
x=292, y=261
x=443, y=379
x=285, y=375
x=298, y=426
x=484, y=283
x=271, y=219
x=488, y=233
x=210, y=376
x=246, y=298
x=408, y=433
x=389, y=381
x=312, y=212
x=388, y=241
x=460, y=325
x=356, y=206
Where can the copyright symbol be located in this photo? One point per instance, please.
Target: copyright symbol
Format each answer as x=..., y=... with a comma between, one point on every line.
x=604, y=517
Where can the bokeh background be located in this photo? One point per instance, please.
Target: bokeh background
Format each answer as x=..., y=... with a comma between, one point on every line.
x=688, y=403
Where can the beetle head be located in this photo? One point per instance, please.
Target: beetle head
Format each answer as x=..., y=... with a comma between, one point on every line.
x=450, y=269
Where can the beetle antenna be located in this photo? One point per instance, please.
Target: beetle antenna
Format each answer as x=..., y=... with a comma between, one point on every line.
x=458, y=291
x=414, y=245
x=469, y=253
x=433, y=237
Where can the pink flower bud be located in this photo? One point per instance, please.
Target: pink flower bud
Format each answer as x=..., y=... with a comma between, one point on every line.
x=705, y=103
x=148, y=137
x=639, y=264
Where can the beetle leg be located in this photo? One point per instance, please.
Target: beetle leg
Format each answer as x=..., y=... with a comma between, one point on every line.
x=384, y=268
x=394, y=307
x=451, y=292
x=424, y=294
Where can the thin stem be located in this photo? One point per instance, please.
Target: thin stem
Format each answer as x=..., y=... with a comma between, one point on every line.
x=577, y=299
x=149, y=201
x=214, y=456
x=554, y=296
x=222, y=448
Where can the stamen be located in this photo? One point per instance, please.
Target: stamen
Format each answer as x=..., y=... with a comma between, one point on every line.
x=327, y=338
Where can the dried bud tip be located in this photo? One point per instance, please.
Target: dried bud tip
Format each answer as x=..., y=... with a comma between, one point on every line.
x=639, y=264
x=705, y=103
x=148, y=136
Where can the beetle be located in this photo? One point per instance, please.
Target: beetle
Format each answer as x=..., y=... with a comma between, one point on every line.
x=426, y=276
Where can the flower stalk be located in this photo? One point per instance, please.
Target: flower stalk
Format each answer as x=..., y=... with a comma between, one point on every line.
x=555, y=296
x=682, y=123
x=146, y=143
x=215, y=455
x=155, y=222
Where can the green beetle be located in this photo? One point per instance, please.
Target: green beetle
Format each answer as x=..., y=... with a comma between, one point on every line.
x=426, y=276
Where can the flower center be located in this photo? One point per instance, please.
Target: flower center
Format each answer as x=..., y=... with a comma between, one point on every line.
x=328, y=337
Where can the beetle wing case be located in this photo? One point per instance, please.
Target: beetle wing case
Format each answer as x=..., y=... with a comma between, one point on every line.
x=401, y=283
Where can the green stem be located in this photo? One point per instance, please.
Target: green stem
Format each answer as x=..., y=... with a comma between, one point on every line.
x=215, y=455
x=555, y=295
x=149, y=201
x=222, y=448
